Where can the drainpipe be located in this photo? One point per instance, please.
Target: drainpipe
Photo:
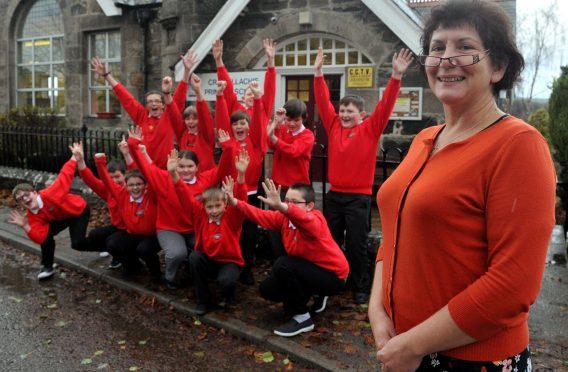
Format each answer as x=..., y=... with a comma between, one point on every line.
x=144, y=16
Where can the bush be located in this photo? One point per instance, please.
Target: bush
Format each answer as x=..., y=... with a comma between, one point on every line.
x=540, y=119
x=30, y=116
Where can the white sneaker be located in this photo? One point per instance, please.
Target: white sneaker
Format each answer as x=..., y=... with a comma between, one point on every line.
x=104, y=254
x=45, y=273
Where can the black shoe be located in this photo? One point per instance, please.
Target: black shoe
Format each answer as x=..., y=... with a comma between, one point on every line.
x=247, y=278
x=45, y=273
x=360, y=298
x=319, y=304
x=201, y=309
x=293, y=328
x=115, y=264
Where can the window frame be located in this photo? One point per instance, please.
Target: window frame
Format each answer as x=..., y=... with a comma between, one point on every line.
x=91, y=86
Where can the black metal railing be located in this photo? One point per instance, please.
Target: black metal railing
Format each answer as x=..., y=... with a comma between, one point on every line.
x=47, y=149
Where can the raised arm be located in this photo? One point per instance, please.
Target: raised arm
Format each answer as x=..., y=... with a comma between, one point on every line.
x=268, y=219
x=88, y=177
x=189, y=60
x=223, y=75
x=112, y=187
x=258, y=120
x=123, y=149
x=100, y=68
x=222, y=116
x=269, y=77
x=321, y=93
x=62, y=184
x=205, y=123
x=213, y=176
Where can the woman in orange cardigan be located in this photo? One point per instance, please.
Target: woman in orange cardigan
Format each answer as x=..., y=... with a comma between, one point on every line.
x=468, y=214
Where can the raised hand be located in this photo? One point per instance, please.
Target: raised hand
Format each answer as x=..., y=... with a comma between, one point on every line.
x=400, y=62
x=189, y=60
x=136, y=133
x=173, y=161
x=123, y=147
x=167, y=84
x=269, y=51
x=318, y=63
x=98, y=67
x=272, y=198
x=223, y=136
x=221, y=85
x=228, y=186
x=280, y=115
x=17, y=218
x=242, y=161
x=255, y=88
x=196, y=82
x=77, y=151
x=217, y=51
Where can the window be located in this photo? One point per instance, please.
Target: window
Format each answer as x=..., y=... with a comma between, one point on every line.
x=302, y=51
x=40, y=80
x=105, y=46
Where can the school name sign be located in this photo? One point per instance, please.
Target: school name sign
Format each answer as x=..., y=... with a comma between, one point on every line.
x=240, y=81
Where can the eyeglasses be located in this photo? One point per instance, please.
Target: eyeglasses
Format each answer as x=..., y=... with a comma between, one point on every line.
x=154, y=101
x=295, y=201
x=456, y=61
x=133, y=185
x=25, y=194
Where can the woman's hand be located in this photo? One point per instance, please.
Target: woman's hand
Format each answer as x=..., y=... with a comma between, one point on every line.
x=397, y=355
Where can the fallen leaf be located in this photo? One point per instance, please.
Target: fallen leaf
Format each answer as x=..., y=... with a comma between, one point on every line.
x=121, y=342
x=99, y=352
x=366, y=325
x=286, y=361
x=60, y=323
x=336, y=322
x=197, y=322
x=86, y=361
x=267, y=357
x=134, y=368
x=52, y=306
x=98, y=301
x=123, y=347
x=15, y=299
x=142, y=342
x=47, y=342
x=350, y=349
x=102, y=366
x=199, y=354
x=24, y=356
x=364, y=306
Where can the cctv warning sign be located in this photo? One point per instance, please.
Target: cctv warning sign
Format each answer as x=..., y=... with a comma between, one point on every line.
x=360, y=77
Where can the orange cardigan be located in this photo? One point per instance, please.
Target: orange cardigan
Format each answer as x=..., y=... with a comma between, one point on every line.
x=469, y=228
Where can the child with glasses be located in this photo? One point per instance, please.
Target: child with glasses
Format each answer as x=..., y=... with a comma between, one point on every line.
x=314, y=265
x=50, y=211
x=352, y=153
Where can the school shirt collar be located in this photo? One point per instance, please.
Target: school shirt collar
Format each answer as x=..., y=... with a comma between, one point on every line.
x=218, y=222
x=39, y=205
x=191, y=181
x=300, y=130
x=139, y=200
x=157, y=117
x=291, y=225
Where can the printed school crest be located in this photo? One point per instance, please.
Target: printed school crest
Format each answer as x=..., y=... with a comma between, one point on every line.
x=351, y=135
x=217, y=236
x=243, y=144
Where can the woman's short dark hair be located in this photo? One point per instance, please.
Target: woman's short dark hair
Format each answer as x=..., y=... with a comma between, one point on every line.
x=188, y=154
x=493, y=26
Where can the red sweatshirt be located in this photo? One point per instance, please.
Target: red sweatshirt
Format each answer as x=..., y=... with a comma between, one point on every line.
x=304, y=234
x=139, y=218
x=203, y=143
x=255, y=143
x=352, y=152
x=219, y=241
x=468, y=227
x=171, y=215
x=99, y=188
x=158, y=133
x=58, y=204
x=292, y=154
x=233, y=103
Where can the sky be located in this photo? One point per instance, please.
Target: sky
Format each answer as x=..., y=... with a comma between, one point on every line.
x=550, y=69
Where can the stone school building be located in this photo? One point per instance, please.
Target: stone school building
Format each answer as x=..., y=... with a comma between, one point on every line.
x=47, y=46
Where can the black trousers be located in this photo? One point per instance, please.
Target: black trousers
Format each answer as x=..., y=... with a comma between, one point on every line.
x=127, y=248
x=348, y=218
x=293, y=281
x=203, y=268
x=98, y=237
x=249, y=236
x=77, y=231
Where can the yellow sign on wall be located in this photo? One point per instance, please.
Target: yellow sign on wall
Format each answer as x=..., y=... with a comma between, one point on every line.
x=360, y=77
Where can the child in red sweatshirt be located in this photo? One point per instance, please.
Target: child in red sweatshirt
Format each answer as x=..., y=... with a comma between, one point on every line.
x=138, y=208
x=217, y=230
x=314, y=265
x=255, y=144
x=50, y=211
x=248, y=98
x=352, y=152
